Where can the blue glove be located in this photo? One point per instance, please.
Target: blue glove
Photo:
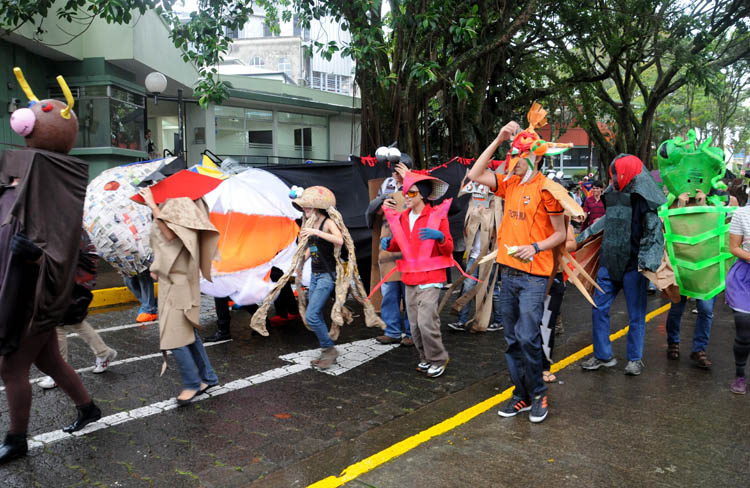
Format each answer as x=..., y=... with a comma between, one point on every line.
x=385, y=243
x=427, y=233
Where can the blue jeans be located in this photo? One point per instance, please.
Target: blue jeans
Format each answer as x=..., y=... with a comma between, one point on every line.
x=634, y=284
x=142, y=286
x=496, y=313
x=522, y=305
x=321, y=286
x=194, y=365
x=702, y=324
x=463, y=315
x=394, y=294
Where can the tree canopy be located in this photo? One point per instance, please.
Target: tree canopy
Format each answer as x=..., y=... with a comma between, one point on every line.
x=442, y=76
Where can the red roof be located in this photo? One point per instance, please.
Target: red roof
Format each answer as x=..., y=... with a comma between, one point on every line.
x=576, y=135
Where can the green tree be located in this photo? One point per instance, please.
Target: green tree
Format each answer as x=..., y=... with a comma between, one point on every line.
x=659, y=47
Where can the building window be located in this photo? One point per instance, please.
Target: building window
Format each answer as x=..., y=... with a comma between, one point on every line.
x=285, y=66
x=299, y=30
x=108, y=116
x=331, y=82
x=267, y=31
x=257, y=61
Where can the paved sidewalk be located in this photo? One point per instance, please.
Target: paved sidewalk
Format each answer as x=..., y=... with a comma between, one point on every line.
x=676, y=425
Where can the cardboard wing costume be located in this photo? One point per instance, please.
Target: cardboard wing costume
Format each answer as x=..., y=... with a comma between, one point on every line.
x=526, y=147
x=482, y=220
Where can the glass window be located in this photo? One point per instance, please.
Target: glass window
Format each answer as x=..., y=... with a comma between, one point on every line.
x=257, y=61
x=108, y=116
x=285, y=66
x=302, y=137
x=126, y=124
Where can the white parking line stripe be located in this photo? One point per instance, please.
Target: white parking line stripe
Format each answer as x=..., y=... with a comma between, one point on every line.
x=351, y=355
x=119, y=327
x=122, y=361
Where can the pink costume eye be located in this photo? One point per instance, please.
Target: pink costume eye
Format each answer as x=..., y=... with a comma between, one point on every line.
x=46, y=107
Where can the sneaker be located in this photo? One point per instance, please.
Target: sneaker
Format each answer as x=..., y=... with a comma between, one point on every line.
x=459, y=326
x=387, y=340
x=594, y=362
x=694, y=311
x=539, y=409
x=48, y=383
x=739, y=385
x=407, y=342
x=494, y=327
x=437, y=370
x=103, y=363
x=634, y=368
x=701, y=359
x=423, y=366
x=146, y=317
x=514, y=406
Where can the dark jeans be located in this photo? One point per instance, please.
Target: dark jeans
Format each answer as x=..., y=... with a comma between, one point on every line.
x=702, y=323
x=553, y=305
x=522, y=305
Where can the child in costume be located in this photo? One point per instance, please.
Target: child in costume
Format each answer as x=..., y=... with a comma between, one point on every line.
x=480, y=231
x=184, y=242
x=322, y=237
x=426, y=236
x=392, y=290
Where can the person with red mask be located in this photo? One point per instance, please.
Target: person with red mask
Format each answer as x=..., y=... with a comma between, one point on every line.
x=633, y=241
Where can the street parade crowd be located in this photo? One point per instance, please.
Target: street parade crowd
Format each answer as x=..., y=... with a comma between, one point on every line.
x=526, y=236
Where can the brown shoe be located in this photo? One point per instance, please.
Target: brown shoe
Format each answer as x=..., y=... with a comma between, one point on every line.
x=327, y=358
x=384, y=339
x=673, y=351
x=701, y=359
x=407, y=342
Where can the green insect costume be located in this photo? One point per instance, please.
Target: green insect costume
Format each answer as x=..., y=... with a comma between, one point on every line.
x=697, y=240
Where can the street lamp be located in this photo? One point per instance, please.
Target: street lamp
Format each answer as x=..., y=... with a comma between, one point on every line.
x=156, y=83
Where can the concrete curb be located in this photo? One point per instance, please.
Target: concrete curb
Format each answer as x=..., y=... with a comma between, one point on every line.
x=115, y=296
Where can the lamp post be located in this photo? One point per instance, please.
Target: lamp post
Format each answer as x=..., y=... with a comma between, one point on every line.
x=156, y=83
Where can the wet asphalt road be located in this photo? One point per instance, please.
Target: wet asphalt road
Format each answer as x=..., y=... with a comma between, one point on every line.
x=304, y=425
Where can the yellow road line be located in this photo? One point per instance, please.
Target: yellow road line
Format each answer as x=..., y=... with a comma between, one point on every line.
x=358, y=469
x=115, y=296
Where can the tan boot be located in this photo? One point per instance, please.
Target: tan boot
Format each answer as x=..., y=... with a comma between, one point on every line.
x=327, y=358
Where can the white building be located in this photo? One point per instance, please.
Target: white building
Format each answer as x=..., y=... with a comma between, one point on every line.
x=292, y=52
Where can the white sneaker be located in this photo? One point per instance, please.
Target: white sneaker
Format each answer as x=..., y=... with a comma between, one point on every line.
x=103, y=363
x=438, y=370
x=47, y=383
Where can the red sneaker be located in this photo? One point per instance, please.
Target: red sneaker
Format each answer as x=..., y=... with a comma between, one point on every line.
x=278, y=320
